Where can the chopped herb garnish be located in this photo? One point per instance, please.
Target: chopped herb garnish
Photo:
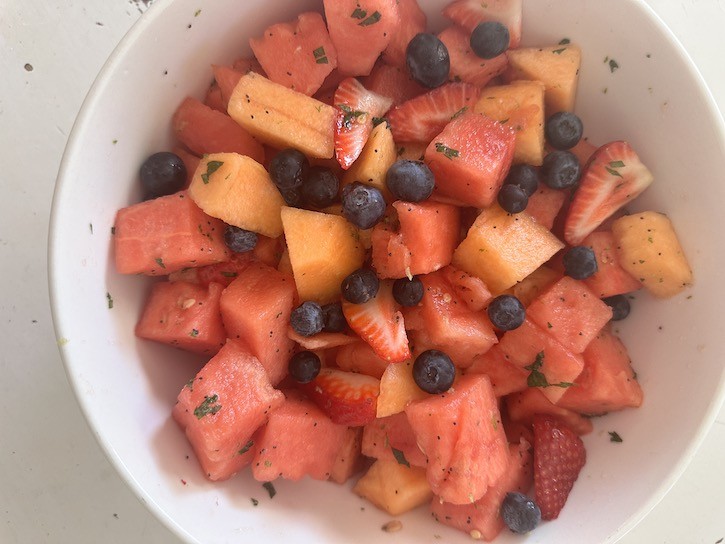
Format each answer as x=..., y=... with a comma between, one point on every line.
x=565, y=41
x=194, y=333
x=400, y=457
x=115, y=142
x=537, y=378
x=160, y=262
x=113, y=230
x=228, y=274
x=459, y=113
x=559, y=51
x=255, y=502
x=616, y=164
x=380, y=120
x=270, y=489
x=504, y=121
x=90, y=226
x=320, y=55
x=612, y=171
x=447, y=151
x=350, y=115
x=211, y=167
x=190, y=384
x=374, y=18
x=197, y=13
x=614, y=437
x=110, y=300
x=359, y=13
x=208, y=406
x=246, y=447
x=613, y=65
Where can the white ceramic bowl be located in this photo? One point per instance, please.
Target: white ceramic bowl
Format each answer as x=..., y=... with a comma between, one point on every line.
x=656, y=100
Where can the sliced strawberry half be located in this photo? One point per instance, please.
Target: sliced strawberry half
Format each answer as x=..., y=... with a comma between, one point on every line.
x=347, y=398
x=356, y=107
x=422, y=118
x=559, y=456
x=469, y=13
x=613, y=177
x=380, y=323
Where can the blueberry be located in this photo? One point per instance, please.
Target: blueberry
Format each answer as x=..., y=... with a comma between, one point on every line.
x=434, y=371
x=524, y=176
x=307, y=319
x=320, y=188
x=408, y=292
x=334, y=318
x=304, y=366
x=162, y=174
x=620, y=306
x=520, y=513
x=409, y=180
x=506, y=312
x=362, y=205
x=292, y=197
x=512, y=198
x=240, y=240
x=489, y=39
x=580, y=262
x=563, y=130
x=561, y=170
x=428, y=60
x=288, y=169
x=360, y=286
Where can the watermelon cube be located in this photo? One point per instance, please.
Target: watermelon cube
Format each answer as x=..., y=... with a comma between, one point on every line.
x=184, y=315
x=299, y=54
x=166, y=234
x=484, y=514
x=299, y=440
x=506, y=377
x=393, y=82
x=465, y=64
x=460, y=432
x=256, y=309
x=523, y=406
x=349, y=460
x=607, y=382
x=610, y=279
x=469, y=288
x=544, y=205
x=221, y=408
x=412, y=21
x=470, y=13
x=361, y=357
x=391, y=438
x=570, y=312
x=470, y=158
x=226, y=79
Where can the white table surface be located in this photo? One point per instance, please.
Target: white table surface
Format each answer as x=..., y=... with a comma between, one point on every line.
x=55, y=484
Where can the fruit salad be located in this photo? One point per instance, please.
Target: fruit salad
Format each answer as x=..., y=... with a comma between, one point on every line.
x=399, y=258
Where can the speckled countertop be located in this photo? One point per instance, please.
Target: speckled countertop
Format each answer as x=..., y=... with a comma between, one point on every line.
x=55, y=484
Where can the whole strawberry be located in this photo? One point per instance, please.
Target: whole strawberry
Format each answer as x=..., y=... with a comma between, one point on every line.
x=559, y=456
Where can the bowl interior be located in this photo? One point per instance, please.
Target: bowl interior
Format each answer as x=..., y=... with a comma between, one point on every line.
x=655, y=99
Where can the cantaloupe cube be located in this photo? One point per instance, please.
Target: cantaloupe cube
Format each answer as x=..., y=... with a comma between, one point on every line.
x=323, y=250
x=503, y=249
x=281, y=117
x=397, y=389
x=520, y=105
x=239, y=191
x=649, y=250
x=393, y=487
x=377, y=156
x=557, y=67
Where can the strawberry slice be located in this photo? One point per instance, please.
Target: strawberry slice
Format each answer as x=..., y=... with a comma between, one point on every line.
x=356, y=107
x=348, y=398
x=613, y=177
x=559, y=456
x=422, y=118
x=379, y=323
x=469, y=13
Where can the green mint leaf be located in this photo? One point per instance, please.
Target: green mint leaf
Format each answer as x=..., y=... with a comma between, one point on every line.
x=208, y=406
x=614, y=437
x=537, y=379
x=194, y=333
x=447, y=151
x=559, y=51
x=197, y=12
x=617, y=164
x=400, y=457
x=255, y=502
x=613, y=65
x=536, y=365
x=246, y=447
x=459, y=113
x=374, y=18
x=113, y=231
x=228, y=274
x=190, y=384
x=565, y=41
x=211, y=167
x=350, y=115
x=379, y=120
x=359, y=13
x=160, y=262
x=320, y=55
x=270, y=489
x=613, y=171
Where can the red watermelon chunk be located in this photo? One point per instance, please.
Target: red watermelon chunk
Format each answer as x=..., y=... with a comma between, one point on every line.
x=226, y=79
x=391, y=438
x=607, y=382
x=484, y=514
x=524, y=405
x=412, y=250
x=163, y=235
x=544, y=205
x=360, y=30
x=506, y=377
x=244, y=65
x=548, y=361
x=299, y=440
x=349, y=460
x=204, y=130
x=469, y=13
x=222, y=407
x=450, y=325
x=393, y=82
x=299, y=54
x=465, y=64
x=361, y=357
x=470, y=158
x=421, y=118
x=213, y=98
x=460, y=432
x=611, y=279
x=412, y=22
x=185, y=316
x=469, y=288
x=570, y=312
x=256, y=308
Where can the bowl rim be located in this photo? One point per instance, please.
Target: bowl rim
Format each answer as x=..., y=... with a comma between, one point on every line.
x=84, y=117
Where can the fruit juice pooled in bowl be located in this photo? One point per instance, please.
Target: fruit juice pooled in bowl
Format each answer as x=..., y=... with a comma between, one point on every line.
x=400, y=260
